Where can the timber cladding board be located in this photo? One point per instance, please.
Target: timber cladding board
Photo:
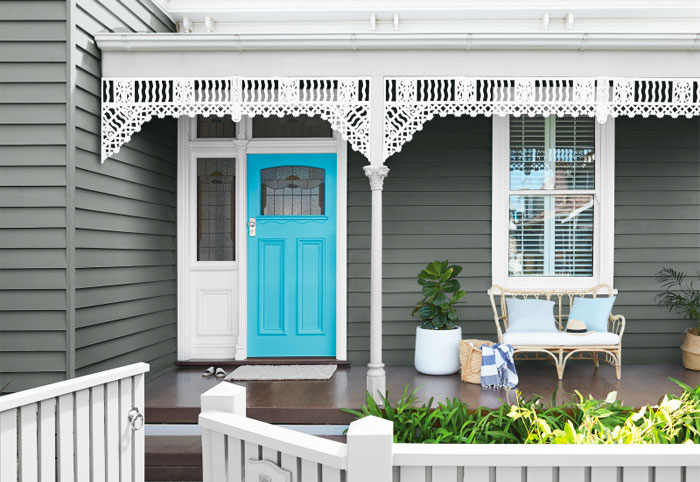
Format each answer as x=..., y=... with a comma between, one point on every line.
x=125, y=215
x=32, y=193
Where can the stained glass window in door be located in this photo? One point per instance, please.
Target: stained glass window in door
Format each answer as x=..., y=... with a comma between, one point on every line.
x=292, y=191
x=216, y=208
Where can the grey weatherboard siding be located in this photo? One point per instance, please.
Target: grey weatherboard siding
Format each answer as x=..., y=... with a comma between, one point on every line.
x=437, y=205
x=657, y=224
x=87, y=251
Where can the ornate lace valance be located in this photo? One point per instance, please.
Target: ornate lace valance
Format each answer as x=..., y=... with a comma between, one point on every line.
x=128, y=103
x=412, y=101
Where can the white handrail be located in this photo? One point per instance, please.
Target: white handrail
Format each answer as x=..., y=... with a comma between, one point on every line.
x=514, y=455
x=57, y=389
x=323, y=451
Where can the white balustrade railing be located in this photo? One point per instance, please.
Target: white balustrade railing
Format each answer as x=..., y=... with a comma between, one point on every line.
x=239, y=449
x=83, y=429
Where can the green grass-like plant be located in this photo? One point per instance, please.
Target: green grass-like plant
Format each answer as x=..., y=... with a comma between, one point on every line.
x=530, y=421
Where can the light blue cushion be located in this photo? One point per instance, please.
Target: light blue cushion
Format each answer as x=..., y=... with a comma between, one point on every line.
x=592, y=311
x=530, y=315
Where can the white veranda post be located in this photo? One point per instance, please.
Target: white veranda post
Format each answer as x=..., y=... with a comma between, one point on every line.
x=376, y=378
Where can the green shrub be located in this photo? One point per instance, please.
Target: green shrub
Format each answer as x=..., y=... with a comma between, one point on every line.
x=529, y=421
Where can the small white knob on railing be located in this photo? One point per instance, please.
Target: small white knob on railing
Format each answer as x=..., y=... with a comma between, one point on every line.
x=135, y=418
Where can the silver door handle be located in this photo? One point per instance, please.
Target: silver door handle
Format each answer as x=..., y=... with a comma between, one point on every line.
x=135, y=418
x=251, y=226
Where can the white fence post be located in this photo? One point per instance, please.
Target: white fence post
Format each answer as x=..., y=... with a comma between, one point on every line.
x=223, y=398
x=370, y=445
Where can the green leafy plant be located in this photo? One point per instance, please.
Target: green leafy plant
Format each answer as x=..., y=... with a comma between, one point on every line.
x=679, y=294
x=441, y=291
x=530, y=421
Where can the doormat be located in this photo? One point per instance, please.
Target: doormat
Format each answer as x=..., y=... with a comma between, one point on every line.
x=281, y=372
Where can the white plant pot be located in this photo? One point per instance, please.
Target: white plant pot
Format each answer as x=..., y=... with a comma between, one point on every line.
x=437, y=351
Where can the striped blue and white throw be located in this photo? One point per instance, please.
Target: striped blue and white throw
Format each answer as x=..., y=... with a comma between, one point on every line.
x=498, y=367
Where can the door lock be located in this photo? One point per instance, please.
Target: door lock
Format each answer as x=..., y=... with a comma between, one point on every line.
x=251, y=226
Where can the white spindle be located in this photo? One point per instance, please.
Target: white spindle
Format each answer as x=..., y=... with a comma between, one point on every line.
x=97, y=433
x=139, y=436
x=8, y=445
x=309, y=471
x=692, y=473
x=112, y=435
x=47, y=439
x=235, y=472
x=29, y=443
x=330, y=474
x=207, y=469
x=540, y=474
x=478, y=474
x=605, y=474
x=82, y=436
x=635, y=474
x=448, y=474
x=668, y=474
x=218, y=455
x=508, y=474
x=572, y=474
x=127, y=444
x=65, y=438
x=410, y=473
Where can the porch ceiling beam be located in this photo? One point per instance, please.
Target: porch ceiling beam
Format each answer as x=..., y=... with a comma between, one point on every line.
x=685, y=41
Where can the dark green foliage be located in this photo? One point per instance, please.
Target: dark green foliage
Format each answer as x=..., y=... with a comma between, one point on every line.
x=582, y=420
x=436, y=309
x=680, y=295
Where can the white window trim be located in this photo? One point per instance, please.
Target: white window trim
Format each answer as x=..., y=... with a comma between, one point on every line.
x=189, y=149
x=604, y=214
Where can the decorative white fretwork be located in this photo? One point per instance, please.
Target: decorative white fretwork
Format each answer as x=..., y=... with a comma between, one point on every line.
x=129, y=103
x=412, y=101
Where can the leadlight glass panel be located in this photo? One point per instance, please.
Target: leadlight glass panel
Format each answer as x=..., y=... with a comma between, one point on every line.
x=215, y=127
x=216, y=207
x=292, y=191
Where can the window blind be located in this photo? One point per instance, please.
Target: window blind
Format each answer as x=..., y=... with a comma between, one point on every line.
x=551, y=234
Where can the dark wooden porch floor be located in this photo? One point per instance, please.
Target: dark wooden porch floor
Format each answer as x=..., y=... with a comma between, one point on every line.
x=174, y=396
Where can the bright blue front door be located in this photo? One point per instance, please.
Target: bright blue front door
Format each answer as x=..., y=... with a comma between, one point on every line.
x=291, y=255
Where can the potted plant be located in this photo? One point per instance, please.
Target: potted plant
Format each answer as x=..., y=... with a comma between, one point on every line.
x=681, y=296
x=437, y=338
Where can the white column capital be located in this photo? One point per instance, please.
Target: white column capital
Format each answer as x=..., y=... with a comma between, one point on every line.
x=376, y=175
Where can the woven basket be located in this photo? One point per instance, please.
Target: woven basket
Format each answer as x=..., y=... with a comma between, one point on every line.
x=470, y=359
x=691, y=349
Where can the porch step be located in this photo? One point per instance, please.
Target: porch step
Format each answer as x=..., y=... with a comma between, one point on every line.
x=179, y=457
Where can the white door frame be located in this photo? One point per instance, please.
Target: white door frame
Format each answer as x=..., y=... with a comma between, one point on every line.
x=190, y=148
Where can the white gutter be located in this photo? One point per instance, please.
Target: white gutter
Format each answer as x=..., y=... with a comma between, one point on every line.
x=396, y=41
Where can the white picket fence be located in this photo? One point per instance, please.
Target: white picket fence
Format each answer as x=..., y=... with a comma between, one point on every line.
x=83, y=429
x=239, y=449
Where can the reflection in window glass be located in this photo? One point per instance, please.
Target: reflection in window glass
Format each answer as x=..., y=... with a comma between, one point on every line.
x=552, y=153
x=292, y=191
x=216, y=179
x=550, y=235
x=213, y=127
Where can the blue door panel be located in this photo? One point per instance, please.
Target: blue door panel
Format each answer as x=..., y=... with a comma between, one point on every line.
x=271, y=286
x=310, y=286
x=292, y=257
